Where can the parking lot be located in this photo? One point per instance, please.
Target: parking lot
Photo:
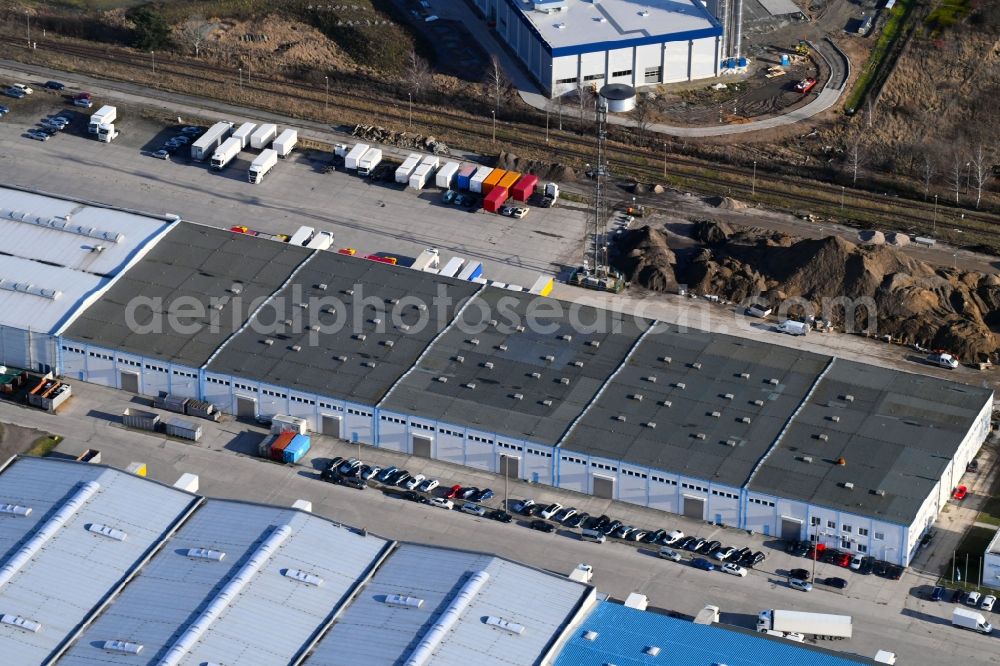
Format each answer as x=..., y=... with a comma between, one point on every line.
x=372, y=217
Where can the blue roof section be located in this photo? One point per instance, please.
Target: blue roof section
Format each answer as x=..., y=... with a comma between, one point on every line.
x=623, y=634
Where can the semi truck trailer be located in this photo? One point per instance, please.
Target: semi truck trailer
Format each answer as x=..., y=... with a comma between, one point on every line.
x=369, y=161
x=225, y=153
x=105, y=115
x=243, y=134
x=261, y=165
x=263, y=136
x=818, y=625
x=354, y=155
x=203, y=148
x=405, y=170
x=285, y=142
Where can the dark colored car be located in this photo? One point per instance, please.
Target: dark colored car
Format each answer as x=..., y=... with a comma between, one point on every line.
x=577, y=520
x=330, y=474
x=387, y=473
x=801, y=574
x=895, y=572
x=973, y=465
x=758, y=557
x=937, y=594
x=740, y=554
x=957, y=596
x=684, y=543
x=542, y=526
x=467, y=493
x=926, y=539
x=622, y=531
x=797, y=548
x=703, y=564
x=696, y=544
x=353, y=482
x=501, y=516
x=746, y=559
x=880, y=568
x=601, y=522
x=838, y=583
x=333, y=464
x=867, y=564
x=402, y=477
x=411, y=496
x=830, y=556
x=53, y=85
x=393, y=478
x=655, y=537
x=709, y=547
x=483, y=495
x=612, y=527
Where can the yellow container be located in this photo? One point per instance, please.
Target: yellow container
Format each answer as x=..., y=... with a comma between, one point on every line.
x=492, y=180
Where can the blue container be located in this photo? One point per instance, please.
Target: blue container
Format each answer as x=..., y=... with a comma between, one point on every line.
x=743, y=62
x=464, y=175
x=296, y=449
x=785, y=60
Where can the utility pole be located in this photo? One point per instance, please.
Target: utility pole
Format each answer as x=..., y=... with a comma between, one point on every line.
x=664, y=162
x=934, y=227
x=506, y=477
x=152, y=54
x=241, y=79
x=27, y=18
x=842, y=190
x=753, y=183
x=326, y=99
x=409, y=96
x=546, y=123
x=493, y=111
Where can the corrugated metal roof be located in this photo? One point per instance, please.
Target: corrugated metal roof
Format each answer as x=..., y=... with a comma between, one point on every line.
x=624, y=634
x=373, y=632
x=77, y=567
x=272, y=617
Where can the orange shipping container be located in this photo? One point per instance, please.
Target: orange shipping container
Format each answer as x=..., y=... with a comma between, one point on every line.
x=508, y=180
x=492, y=180
x=284, y=439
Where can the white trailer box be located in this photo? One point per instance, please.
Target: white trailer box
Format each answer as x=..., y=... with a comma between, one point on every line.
x=282, y=422
x=429, y=258
x=302, y=236
x=206, y=144
x=820, y=625
x=452, y=268
x=243, y=133
x=225, y=153
x=432, y=160
x=969, y=618
x=263, y=136
x=103, y=116
x=261, y=165
x=405, y=170
x=420, y=176
x=321, y=241
x=369, y=161
x=355, y=154
x=476, y=182
x=107, y=133
x=285, y=142
x=445, y=177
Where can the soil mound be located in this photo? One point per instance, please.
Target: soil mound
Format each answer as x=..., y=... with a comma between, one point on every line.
x=726, y=203
x=544, y=170
x=645, y=258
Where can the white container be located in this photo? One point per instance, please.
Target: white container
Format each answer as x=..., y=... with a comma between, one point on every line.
x=321, y=241
x=261, y=165
x=188, y=482
x=355, y=154
x=302, y=236
x=453, y=266
x=226, y=153
x=476, y=182
x=282, y=423
x=368, y=161
x=285, y=142
x=429, y=258
x=445, y=177
x=263, y=136
x=431, y=160
x=406, y=169
x=243, y=133
x=419, y=178
x=210, y=140
x=103, y=116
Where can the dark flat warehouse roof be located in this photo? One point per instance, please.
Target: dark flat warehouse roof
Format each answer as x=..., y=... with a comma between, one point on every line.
x=896, y=432
x=697, y=403
x=370, y=328
x=571, y=365
x=192, y=264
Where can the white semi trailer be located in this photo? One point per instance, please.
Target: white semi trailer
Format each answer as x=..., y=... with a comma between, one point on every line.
x=225, y=153
x=285, y=142
x=105, y=115
x=818, y=625
x=263, y=136
x=206, y=144
x=261, y=165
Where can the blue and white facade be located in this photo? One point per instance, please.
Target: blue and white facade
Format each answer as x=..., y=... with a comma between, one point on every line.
x=567, y=44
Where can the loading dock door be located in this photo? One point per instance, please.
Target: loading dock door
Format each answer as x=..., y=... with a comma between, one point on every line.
x=129, y=381
x=791, y=530
x=330, y=425
x=421, y=446
x=694, y=507
x=604, y=487
x=246, y=408
x=509, y=466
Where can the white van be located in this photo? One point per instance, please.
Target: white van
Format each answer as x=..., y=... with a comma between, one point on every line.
x=757, y=310
x=593, y=535
x=793, y=327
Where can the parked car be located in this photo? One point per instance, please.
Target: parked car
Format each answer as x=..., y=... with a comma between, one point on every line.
x=724, y=553
x=956, y=596
x=576, y=520
x=161, y=155
x=703, y=564
x=880, y=568
x=672, y=538
x=520, y=212
x=507, y=210
x=53, y=85
x=38, y=135
x=973, y=465
x=467, y=493
x=895, y=572
x=622, y=531
x=387, y=473
x=696, y=544
x=448, y=196
x=758, y=557
x=563, y=514
x=836, y=582
x=802, y=585
x=353, y=482
x=15, y=93
x=669, y=554
x=600, y=522
x=855, y=563
x=867, y=564
x=550, y=510
x=501, y=516
x=927, y=538
x=799, y=574
x=412, y=496
x=739, y=555
x=960, y=492
x=453, y=492
x=369, y=471
x=797, y=548
x=523, y=505
x=333, y=464
x=398, y=478
x=988, y=601
x=943, y=361
x=427, y=485
x=190, y=129
x=330, y=475
x=350, y=466
x=655, y=536
x=23, y=88
x=58, y=124
x=474, y=509
x=734, y=569
x=710, y=547
x=484, y=495
x=612, y=527
x=4, y=110
x=542, y=526
x=441, y=503
x=83, y=102
x=413, y=482
x=937, y=594
x=973, y=599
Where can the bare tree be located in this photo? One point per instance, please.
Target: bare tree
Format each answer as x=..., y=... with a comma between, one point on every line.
x=981, y=171
x=929, y=168
x=193, y=32
x=496, y=82
x=583, y=95
x=642, y=114
x=955, y=169
x=855, y=160
x=419, y=78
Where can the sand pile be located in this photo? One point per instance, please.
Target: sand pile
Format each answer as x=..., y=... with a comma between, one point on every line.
x=645, y=258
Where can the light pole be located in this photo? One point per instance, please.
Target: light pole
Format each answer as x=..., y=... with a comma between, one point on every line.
x=326, y=100
x=506, y=476
x=494, y=113
x=753, y=182
x=546, y=123
x=934, y=227
x=152, y=55
x=842, y=190
x=664, y=161
x=241, y=79
x=27, y=18
x=409, y=97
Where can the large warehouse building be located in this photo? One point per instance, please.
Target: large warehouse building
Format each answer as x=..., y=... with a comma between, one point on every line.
x=566, y=44
x=730, y=430
x=99, y=567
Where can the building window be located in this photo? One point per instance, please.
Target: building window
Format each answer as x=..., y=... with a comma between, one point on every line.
x=863, y=531
x=593, y=77
x=831, y=524
x=862, y=548
x=570, y=80
x=814, y=521
x=879, y=536
x=845, y=544
x=847, y=528
x=624, y=72
x=653, y=74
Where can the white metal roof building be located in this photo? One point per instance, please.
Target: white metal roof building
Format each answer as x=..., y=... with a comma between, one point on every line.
x=58, y=256
x=569, y=43
x=70, y=536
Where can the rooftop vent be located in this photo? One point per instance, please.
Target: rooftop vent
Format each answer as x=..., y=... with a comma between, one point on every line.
x=652, y=650
x=404, y=327
x=715, y=415
x=471, y=385
x=473, y=341
x=699, y=435
x=106, y=531
x=696, y=366
x=680, y=385
x=578, y=364
x=502, y=347
x=421, y=306
x=822, y=437
x=361, y=337
x=518, y=396
x=590, y=635
x=806, y=459
x=879, y=492
x=296, y=348
x=488, y=365
x=392, y=301
x=400, y=601
x=594, y=343
x=841, y=461
x=560, y=26
x=651, y=379
x=564, y=381
x=205, y=554
x=519, y=328
x=566, y=336
x=237, y=288
x=547, y=402
x=620, y=417
x=459, y=359
x=728, y=396
x=848, y=398
x=389, y=343
x=666, y=359
x=744, y=419
x=550, y=358
x=494, y=323
x=644, y=13
x=744, y=375
x=15, y=510
x=650, y=424
x=302, y=577
x=369, y=364
x=535, y=375
x=376, y=321
x=443, y=380
x=342, y=358
x=834, y=418
x=315, y=328
x=665, y=403
x=349, y=292
x=321, y=286
x=122, y=647
x=287, y=323
x=773, y=381
x=848, y=485
x=731, y=442
x=758, y=402
x=304, y=306
x=21, y=623
x=330, y=310
x=505, y=625
x=636, y=396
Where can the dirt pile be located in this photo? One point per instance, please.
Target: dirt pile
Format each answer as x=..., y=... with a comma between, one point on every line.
x=876, y=288
x=544, y=170
x=400, y=139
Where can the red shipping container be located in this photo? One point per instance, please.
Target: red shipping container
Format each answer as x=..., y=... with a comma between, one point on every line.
x=524, y=188
x=495, y=199
x=278, y=448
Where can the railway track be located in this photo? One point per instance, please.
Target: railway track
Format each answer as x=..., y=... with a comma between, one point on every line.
x=717, y=179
